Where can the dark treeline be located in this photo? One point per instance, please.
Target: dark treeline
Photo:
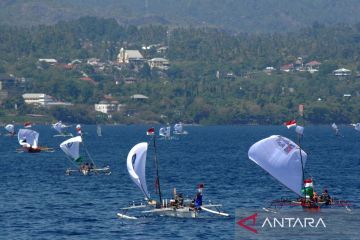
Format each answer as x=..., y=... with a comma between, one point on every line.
x=190, y=90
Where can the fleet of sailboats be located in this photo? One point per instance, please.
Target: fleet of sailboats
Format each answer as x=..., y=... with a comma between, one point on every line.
x=279, y=156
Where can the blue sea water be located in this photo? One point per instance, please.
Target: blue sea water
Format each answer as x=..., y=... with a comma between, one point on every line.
x=38, y=201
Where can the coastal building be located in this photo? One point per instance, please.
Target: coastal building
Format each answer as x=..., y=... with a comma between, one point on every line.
x=342, y=72
x=51, y=61
x=139, y=97
x=130, y=56
x=287, y=67
x=42, y=99
x=159, y=63
x=312, y=66
x=106, y=107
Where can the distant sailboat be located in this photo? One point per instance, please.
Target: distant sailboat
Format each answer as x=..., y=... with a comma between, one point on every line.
x=98, y=131
x=59, y=127
x=179, y=129
x=84, y=165
x=10, y=128
x=356, y=126
x=336, y=129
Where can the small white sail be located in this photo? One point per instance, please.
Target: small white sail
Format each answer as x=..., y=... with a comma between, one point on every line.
x=136, y=161
x=98, y=130
x=28, y=138
x=178, y=128
x=10, y=128
x=299, y=130
x=71, y=147
x=58, y=127
x=168, y=131
x=280, y=157
x=162, y=132
x=336, y=129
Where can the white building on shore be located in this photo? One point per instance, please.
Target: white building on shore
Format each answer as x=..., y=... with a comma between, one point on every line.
x=42, y=99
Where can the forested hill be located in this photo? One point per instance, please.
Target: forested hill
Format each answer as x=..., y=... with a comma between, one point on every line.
x=214, y=76
x=236, y=15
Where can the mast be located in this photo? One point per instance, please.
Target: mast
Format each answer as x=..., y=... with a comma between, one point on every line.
x=157, y=169
x=301, y=113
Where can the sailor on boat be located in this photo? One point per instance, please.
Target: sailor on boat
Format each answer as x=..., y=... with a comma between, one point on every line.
x=197, y=202
x=325, y=197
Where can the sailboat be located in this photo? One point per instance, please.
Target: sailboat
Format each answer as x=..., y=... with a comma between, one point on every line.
x=10, y=128
x=336, y=129
x=59, y=127
x=28, y=140
x=98, y=131
x=84, y=165
x=176, y=207
x=356, y=126
x=285, y=161
x=179, y=129
x=165, y=133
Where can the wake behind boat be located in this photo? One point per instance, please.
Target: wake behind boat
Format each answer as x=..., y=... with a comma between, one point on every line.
x=82, y=164
x=178, y=206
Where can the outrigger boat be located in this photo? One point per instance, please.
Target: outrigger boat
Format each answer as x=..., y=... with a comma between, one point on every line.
x=28, y=140
x=59, y=127
x=285, y=161
x=71, y=148
x=176, y=207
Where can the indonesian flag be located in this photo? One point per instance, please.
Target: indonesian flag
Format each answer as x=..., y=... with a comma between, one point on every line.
x=150, y=131
x=290, y=123
x=308, y=183
x=27, y=124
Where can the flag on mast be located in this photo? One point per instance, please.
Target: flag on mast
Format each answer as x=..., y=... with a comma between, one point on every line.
x=291, y=123
x=150, y=131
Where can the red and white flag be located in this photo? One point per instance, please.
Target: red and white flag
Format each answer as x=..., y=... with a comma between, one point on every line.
x=27, y=124
x=150, y=131
x=291, y=123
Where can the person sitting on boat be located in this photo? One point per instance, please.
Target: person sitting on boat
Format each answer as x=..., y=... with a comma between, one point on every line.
x=197, y=202
x=326, y=197
x=315, y=197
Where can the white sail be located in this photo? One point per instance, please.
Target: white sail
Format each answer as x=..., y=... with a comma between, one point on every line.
x=28, y=138
x=178, y=128
x=71, y=147
x=357, y=127
x=334, y=126
x=58, y=127
x=98, y=130
x=10, y=128
x=136, y=161
x=162, y=132
x=280, y=157
x=168, y=132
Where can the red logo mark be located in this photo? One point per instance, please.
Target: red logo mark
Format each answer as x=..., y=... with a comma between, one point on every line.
x=253, y=218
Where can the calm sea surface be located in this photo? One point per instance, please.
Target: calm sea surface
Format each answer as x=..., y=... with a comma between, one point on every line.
x=38, y=201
